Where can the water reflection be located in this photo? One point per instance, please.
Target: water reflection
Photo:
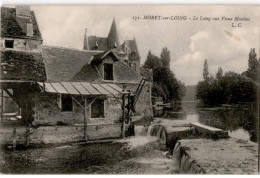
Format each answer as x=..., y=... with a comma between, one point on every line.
x=240, y=122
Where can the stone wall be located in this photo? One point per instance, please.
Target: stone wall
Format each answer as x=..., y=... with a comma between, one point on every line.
x=66, y=134
x=144, y=103
x=185, y=164
x=27, y=45
x=48, y=112
x=11, y=130
x=56, y=134
x=47, y=109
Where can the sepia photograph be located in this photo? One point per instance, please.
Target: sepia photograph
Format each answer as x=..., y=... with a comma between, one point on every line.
x=129, y=89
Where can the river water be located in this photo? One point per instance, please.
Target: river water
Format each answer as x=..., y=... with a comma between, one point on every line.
x=240, y=122
x=142, y=154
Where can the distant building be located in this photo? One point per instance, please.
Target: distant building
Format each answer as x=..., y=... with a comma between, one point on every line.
x=126, y=50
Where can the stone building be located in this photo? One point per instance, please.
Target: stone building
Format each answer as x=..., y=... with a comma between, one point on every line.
x=19, y=30
x=66, y=94
x=126, y=50
x=21, y=59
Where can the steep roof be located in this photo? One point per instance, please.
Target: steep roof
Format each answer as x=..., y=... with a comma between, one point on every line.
x=113, y=38
x=122, y=74
x=12, y=26
x=132, y=46
x=62, y=64
x=67, y=65
x=98, y=58
x=22, y=66
x=100, y=41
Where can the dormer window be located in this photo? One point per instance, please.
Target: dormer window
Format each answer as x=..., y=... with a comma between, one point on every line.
x=95, y=47
x=9, y=43
x=126, y=50
x=108, y=71
x=134, y=66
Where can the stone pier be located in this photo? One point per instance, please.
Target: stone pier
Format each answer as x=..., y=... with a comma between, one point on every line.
x=223, y=156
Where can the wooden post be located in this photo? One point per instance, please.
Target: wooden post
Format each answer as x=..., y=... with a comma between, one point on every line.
x=2, y=104
x=28, y=129
x=123, y=115
x=85, y=120
x=128, y=107
x=14, y=138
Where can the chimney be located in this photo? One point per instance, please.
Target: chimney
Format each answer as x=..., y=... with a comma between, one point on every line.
x=23, y=11
x=86, y=46
x=29, y=29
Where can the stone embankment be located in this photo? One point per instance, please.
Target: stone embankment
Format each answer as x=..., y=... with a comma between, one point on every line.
x=223, y=156
x=200, y=149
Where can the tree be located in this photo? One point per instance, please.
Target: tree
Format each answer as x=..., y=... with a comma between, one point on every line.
x=219, y=74
x=152, y=61
x=172, y=88
x=230, y=88
x=165, y=83
x=206, y=70
x=252, y=61
x=165, y=57
x=252, y=71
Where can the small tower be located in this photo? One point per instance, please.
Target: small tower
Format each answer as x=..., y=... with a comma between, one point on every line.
x=113, y=36
x=86, y=45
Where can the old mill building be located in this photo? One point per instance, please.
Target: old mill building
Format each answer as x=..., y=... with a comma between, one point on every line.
x=66, y=94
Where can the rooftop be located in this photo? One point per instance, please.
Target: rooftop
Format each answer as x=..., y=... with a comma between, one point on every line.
x=13, y=26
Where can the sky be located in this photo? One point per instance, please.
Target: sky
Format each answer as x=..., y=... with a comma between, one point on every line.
x=190, y=42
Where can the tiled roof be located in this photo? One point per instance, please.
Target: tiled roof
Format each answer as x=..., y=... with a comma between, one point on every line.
x=63, y=64
x=98, y=58
x=12, y=26
x=22, y=66
x=72, y=65
x=132, y=46
x=113, y=37
x=57, y=64
x=125, y=74
x=100, y=41
x=122, y=74
x=104, y=44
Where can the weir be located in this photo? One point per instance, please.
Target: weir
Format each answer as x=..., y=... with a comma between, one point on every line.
x=200, y=149
x=152, y=130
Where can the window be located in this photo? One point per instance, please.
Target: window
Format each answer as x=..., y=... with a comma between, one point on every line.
x=66, y=103
x=108, y=71
x=97, y=109
x=9, y=43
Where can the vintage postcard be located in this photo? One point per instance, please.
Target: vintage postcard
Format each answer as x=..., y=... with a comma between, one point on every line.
x=129, y=89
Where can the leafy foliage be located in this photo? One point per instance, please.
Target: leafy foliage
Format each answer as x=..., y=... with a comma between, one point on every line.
x=206, y=70
x=152, y=61
x=253, y=66
x=232, y=87
x=165, y=83
x=219, y=74
x=165, y=57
